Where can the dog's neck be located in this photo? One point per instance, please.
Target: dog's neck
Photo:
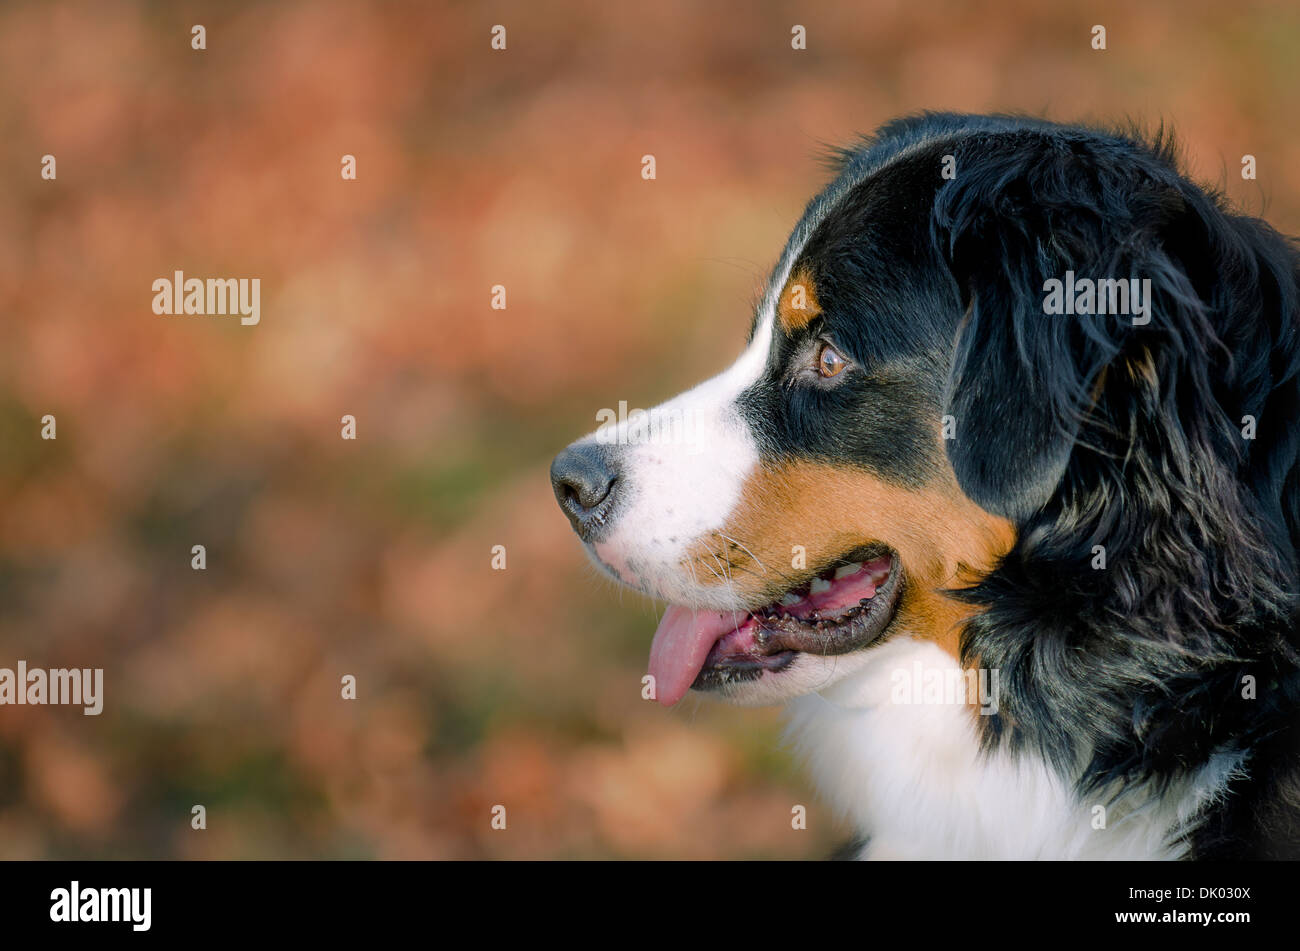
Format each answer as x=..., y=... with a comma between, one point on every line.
x=901, y=761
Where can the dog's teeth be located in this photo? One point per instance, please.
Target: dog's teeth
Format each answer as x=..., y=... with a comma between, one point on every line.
x=818, y=586
x=843, y=571
x=790, y=600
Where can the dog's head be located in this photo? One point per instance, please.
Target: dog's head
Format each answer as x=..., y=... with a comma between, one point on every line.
x=908, y=408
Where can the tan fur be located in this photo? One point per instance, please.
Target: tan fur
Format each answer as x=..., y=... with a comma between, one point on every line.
x=798, y=305
x=942, y=538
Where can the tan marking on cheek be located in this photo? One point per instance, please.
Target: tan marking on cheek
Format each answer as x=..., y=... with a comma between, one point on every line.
x=943, y=539
x=798, y=305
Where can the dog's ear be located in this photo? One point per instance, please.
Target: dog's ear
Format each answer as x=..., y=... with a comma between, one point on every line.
x=1024, y=211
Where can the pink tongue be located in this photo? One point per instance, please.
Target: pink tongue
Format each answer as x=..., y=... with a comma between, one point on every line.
x=681, y=644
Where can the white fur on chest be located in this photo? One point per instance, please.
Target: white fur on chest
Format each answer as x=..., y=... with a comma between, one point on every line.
x=911, y=778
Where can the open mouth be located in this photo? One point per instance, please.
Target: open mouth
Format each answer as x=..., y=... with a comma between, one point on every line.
x=843, y=608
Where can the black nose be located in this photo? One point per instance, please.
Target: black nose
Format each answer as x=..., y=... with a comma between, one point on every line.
x=585, y=480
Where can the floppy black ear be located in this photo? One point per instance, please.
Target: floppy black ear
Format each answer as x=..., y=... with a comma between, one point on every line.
x=1024, y=210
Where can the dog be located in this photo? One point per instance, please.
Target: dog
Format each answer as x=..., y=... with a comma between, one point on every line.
x=1001, y=500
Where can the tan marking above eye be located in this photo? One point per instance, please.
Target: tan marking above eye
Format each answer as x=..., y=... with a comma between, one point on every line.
x=943, y=539
x=798, y=305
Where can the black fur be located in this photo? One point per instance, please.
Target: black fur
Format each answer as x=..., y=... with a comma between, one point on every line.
x=1131, y=438
x=1086, y=432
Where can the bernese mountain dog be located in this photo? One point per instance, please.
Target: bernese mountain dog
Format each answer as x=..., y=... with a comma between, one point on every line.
x=1001, y=500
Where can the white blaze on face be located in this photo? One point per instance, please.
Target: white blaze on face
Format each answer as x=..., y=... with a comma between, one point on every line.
x=680, y=477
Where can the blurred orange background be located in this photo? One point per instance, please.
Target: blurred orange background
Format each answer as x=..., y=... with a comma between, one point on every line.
x=372, y=557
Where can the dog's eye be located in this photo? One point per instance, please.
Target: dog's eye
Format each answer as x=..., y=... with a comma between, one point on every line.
x=829, y=361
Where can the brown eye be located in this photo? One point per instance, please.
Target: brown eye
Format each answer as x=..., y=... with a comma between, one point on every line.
x=829, y=361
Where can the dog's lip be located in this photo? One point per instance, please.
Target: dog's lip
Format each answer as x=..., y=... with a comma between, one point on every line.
x=702, y=649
